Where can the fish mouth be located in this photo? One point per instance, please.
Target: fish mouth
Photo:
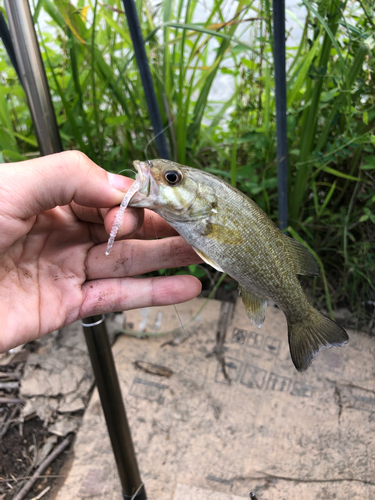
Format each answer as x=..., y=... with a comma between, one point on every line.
x=143, y=176
x=147, y=191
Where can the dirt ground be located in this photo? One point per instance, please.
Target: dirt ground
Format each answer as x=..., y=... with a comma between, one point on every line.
x=45, y=389
x=17, y=454
x=25, y=440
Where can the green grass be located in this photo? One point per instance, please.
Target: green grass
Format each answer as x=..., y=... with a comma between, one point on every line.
x=101, y=110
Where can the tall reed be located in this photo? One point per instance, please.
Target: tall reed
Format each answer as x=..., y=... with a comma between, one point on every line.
x=101, y=110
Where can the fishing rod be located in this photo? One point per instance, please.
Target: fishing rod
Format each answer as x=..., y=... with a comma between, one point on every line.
x=281, y=125
x=146, y=78
x=7, y=41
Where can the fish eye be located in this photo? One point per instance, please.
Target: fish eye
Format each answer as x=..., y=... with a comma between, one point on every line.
x=173, y=177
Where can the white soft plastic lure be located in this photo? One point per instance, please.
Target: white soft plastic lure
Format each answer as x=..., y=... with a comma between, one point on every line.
x=120, y=214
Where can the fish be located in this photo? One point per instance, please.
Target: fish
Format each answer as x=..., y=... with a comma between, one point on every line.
x=231, y=233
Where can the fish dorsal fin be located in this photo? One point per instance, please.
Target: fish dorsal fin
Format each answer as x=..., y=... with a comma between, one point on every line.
x=209, y=261
x=303, y=260
x=255, y=306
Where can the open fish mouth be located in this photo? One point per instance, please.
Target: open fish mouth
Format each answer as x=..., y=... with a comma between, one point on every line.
x=143, y=177
x=148, y=189
x=137, y=195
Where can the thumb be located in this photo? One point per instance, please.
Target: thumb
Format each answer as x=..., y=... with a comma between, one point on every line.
x=33, y=186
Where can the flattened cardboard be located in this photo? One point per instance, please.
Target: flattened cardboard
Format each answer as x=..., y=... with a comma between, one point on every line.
x=271, y=430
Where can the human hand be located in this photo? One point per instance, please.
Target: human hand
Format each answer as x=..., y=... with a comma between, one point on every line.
x=54, y=226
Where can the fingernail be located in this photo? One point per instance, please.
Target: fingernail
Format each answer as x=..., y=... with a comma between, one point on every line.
x=117, y=181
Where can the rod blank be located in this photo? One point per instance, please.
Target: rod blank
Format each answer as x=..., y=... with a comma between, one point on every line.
x=281, y=125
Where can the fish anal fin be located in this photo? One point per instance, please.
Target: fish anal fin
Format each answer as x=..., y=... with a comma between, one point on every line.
x=303, y=260
x=207, y=259
x=255, y=306
x=311, y=335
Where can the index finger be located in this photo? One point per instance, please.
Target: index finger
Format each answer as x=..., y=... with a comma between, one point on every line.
x=57, y=180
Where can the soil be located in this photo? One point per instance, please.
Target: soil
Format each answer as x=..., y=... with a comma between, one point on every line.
x=16, y=460
x=20, y=441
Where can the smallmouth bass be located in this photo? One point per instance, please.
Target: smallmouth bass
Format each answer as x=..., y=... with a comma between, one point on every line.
x=232, y=234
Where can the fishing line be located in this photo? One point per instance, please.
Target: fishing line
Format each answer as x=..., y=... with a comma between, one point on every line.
x=127, y=170
x=132, y=190
x=169, y=125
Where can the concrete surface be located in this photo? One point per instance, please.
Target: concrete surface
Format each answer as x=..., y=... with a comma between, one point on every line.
x=272, y=430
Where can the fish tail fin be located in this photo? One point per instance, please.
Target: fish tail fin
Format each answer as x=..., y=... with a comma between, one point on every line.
x=308, y=336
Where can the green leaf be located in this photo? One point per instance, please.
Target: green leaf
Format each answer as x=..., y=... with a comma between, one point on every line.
x=301, y=73
x=13, y=155
x=329, y=33
x=29, y=140
x=199, y=28
x=301, y=240
x=227, y=71
x=332, y=171
x=328, y=96
x=196, y=271
x=370, y=159
x=116, y=27
x=327, y=199
x=249, y=64
x=5, y=118
x=237, y=49
x=116, y=120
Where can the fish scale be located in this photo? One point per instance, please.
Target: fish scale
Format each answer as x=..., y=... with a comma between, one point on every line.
x=254, y=248
x=233, y=234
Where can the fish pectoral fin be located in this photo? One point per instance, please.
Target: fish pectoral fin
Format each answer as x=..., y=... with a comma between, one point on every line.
x=303, y=260
x=207, y=260
x=309, y=335
x=255, y=306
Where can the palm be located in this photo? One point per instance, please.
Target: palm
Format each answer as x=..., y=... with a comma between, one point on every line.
x=44, y=272
x=58, y=271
